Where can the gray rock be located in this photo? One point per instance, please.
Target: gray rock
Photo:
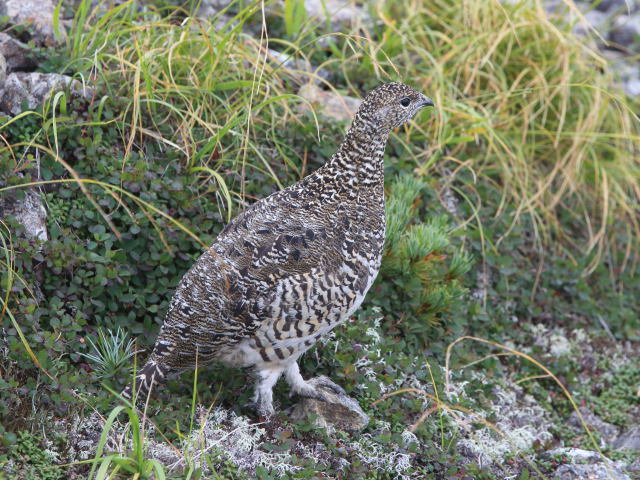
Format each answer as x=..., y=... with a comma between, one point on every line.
x=628, y=72
x=300, y=69
x=595, y=19
x=222, y=22
x=586, y=464
x=209, y=8
x=342, y=411
x=37, y=15
x=35, y=88
x=29, y=211
x=16, y=53
x=634, y=467
x=622, y=5
x=632, y=87
x=596, y=471
x=578, y=455
x=607, y=431
x=629, y=440
x=625, y=30
x=338, y=107
x=3, y=70
x=550, y=6
x=107, y=5
x=339, y=12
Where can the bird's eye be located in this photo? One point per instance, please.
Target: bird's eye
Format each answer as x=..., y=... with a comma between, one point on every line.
x=405, y=101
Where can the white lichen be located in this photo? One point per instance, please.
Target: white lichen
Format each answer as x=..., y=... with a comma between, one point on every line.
x=521, y=422
x=409, y=437
x=559, y=345
x=373, y=331
x=373, y=454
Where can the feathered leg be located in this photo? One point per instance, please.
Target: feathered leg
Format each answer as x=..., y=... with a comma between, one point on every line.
x=152, y=373
x=263, y=398
x=309, y=389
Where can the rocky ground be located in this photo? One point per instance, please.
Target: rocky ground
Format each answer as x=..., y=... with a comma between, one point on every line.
x=530, y=433
x=615, y=27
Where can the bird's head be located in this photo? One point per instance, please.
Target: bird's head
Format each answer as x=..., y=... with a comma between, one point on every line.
x=389, y=106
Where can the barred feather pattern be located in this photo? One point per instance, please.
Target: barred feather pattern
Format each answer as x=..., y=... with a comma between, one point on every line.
x=290, y=267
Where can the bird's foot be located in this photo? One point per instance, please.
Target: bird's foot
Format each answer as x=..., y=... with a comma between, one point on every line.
x=263, y=407
x=328, y=384
x=320, y=388
x=263, y=412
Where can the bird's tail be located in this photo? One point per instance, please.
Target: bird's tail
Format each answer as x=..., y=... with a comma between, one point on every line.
x=152, y=373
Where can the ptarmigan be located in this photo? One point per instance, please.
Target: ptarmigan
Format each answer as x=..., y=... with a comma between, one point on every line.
x=291, y=267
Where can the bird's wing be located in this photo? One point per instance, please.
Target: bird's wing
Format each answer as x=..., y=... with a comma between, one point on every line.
x=281, y=236
x=225, y=296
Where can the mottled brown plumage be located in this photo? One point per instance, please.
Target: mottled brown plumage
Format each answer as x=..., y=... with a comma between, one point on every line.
x=290, y=267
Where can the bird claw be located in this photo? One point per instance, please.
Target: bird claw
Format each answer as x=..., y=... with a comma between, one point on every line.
x=327, y=383
x=316, y=395
x=263, y=410
x=250, y=405
x=315, y=389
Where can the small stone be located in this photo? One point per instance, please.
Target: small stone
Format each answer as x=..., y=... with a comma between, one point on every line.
x=629, y=440
x=634, y=467
x=29, y=211
x=626, y=28
x=34, y=88
x=551, y=6
x=612, y=5
x=342, y=412
x=627, y=71
x=577, y=455
x=597, y=471
x=210, y=8
x=16, y=53
x=595, y=19
x=607, y=431
x=339, y=12
x=301, y=69
x=338, y=107
x=632, y=87
x=37, y=15
x=222, y=22
x=3, y=70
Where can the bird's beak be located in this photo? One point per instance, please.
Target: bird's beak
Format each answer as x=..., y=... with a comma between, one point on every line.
x=426, y=102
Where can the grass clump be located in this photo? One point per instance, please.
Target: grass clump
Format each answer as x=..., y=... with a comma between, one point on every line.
x=135, y=463
x=111, y=352
x=526, y=105
x=205, y=90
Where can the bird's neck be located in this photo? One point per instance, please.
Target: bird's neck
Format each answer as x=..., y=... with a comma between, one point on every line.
x=359, y=160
